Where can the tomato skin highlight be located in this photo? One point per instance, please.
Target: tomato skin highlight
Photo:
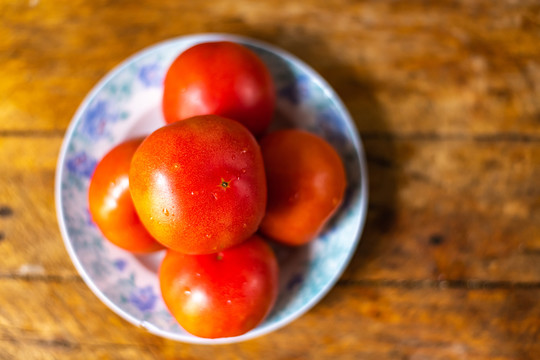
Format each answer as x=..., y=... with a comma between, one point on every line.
x=221, y=78
x=224, y=294
x=110, y=203
x=199, y=185
x=306, y=185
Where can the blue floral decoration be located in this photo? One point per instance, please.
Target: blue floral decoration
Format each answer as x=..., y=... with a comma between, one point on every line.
x=151, y=75
x=81, y=165
x=295, y=281
x=96, y=119
x=295, y=91
x=332, y=129
x=89, y=220
x=143, y=298
x=120, y=264
x=290, y=92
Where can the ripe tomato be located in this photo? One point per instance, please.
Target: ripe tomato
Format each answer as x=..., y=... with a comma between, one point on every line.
x=199, y=184
x=224, y=294
x=221, y=78
x=306, y=184
x=110, y=202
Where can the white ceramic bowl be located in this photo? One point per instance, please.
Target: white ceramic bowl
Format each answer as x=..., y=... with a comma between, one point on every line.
x=126, y=103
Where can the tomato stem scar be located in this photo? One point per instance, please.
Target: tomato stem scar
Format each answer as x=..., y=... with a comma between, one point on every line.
x=225, y=184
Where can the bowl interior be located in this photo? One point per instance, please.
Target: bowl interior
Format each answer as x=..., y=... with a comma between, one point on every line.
x=127, y=103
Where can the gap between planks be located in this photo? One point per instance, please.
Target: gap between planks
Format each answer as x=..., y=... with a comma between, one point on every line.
x=67, y=344
x=41, y=277
x=33, y=133
x=470, y=284
x=414, y=136
x=431, y=136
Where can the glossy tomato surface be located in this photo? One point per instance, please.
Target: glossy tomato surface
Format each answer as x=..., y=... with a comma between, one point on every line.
x=199, y=184
x=221, y=78
x=306, y=184
x=110, y=201
x=224, y=294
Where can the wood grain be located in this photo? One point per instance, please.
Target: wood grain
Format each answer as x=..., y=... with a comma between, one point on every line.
x=31, y=242
x=447, y=67
x=451, y=210
x=446, y=97
x=350, y=323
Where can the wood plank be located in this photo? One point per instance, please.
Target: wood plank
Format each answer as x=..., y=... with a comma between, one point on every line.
x=59, y=314
x=439, y=210
x=30, y=238
x=451, y=210
x=42, y=350
x=63, y=319
x=446, y=67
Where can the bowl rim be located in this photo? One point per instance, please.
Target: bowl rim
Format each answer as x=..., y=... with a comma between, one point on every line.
x=198, y=38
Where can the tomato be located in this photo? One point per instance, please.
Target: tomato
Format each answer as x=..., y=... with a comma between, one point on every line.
x=221, y=78
x=110, y=202
x=306, y=184
x=199, y=184
x=224, y=294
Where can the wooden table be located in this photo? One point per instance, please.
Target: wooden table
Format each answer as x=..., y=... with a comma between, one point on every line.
x=446, y=96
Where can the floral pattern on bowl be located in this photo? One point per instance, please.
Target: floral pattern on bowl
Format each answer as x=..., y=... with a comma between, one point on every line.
x=125, y=104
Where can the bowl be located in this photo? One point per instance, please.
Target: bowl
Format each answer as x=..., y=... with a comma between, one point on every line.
x=127, y=103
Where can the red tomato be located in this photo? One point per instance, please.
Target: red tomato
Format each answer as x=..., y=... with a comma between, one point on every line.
x=220, y=78
x=306, y=184
x=199, y=184
x=110, y=202
x=224, y=294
